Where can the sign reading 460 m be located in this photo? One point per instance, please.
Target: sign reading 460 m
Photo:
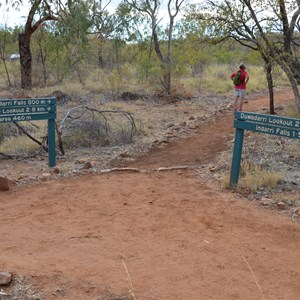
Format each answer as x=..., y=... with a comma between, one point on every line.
x=15, y=110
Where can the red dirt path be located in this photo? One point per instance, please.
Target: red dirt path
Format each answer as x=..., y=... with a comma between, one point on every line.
x=177, y=237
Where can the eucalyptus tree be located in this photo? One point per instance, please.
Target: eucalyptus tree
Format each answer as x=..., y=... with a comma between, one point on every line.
x=151, y=9
x=4, y=35
x=44, y=12
x=75, y=18
x=270, y=27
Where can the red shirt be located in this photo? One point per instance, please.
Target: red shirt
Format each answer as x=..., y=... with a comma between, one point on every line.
x=244, y=75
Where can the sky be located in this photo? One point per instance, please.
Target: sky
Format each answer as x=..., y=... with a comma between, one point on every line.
x=14, y=17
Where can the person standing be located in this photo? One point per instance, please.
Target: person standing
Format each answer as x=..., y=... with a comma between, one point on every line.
x=240, y=82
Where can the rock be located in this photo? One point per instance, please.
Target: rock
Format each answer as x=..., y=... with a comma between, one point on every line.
x=212, y=169
x=125, y=154
x=81, y=160
x=297, y=211
x=129, y=96
x=94, y=163
x=266, y=201
x=5, y=278
x=56, y=170
x=46, y=175
x=4, y=183
x=281, y=205
x=87, y=165
x=202, y=118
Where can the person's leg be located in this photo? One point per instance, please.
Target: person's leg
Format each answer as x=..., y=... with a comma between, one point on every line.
x=240, y=104
x=235, y=103
x=236, y=100
x=242, y=99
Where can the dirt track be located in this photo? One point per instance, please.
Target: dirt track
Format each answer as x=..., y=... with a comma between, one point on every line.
x=176, y=237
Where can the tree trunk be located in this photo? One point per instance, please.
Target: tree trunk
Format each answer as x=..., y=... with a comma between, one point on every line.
x=100, y=59
x=292, y=81
x=25, y=61
x=268, y=69
x=295, y=67
x=7, y=73
x=167, y=79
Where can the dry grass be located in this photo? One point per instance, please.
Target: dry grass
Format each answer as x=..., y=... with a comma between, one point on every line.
x=21, y=289
x=21, y=144
x=291, y=111
x=214, y=78
x=293, y=150
x=18, y=145
x=71, y=88
x=253, y=177
x=288, y=198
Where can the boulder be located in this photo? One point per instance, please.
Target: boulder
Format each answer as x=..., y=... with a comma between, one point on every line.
x=5, y=278
x=4, y=183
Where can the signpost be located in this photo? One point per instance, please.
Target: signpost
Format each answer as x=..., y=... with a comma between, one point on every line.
x=280, y=126
x=18, y=110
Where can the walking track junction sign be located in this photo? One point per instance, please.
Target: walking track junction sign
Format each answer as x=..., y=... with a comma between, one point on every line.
x=18, y=110
x=280, y=126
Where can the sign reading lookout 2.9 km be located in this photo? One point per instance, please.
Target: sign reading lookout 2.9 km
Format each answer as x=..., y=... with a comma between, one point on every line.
x=280, y=126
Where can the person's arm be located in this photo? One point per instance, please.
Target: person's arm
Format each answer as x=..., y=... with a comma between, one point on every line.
x=246, y=79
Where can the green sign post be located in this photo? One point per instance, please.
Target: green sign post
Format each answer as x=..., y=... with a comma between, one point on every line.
x=280, y=126
x=18, y=110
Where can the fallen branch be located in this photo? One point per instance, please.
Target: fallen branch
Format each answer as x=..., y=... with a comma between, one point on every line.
x=173, y=168
x=100, y=124
x=30, y=136
x=133, y=170
x=136, y=170
x=12, y=156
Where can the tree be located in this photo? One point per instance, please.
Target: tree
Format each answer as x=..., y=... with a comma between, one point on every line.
x=3, y=43
x=42, y=10
x=262, y=25
x=151, y=10
x=75, y=18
